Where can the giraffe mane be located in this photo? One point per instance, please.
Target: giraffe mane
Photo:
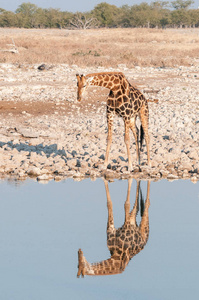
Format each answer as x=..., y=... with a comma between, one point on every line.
x=104, y=73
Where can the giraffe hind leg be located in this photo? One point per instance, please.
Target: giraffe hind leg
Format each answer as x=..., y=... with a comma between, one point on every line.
x=144, y=224
x=135, y=209
x=145, y=121
x=135, y=131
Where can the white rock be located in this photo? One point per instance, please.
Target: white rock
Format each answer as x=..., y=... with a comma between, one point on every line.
x=34, y=171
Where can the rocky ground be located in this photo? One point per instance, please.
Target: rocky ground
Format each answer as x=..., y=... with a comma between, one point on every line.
x=45, y=133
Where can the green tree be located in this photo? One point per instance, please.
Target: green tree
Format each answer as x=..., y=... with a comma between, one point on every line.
x=160, y=15
x=7, y=18
x=194, y=17
x=181, y=4
x=180, y=17
x=141, y=15
x=106, y=14
x=52, y=17
x=27, y=14
x=124, y=19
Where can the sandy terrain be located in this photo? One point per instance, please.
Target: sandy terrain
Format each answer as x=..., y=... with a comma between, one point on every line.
x=46, y=134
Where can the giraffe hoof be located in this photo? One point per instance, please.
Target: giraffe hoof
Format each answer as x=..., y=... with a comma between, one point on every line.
x=130, y=169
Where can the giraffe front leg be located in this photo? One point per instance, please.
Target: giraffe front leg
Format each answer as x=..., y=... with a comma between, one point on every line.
x=109, y=139
x=127, y=142
x=110, y=222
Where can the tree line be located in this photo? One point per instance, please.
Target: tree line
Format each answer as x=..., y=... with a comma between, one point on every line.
x=158, y=14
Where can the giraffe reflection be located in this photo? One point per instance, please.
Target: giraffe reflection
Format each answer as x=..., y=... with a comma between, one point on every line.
x=124, y=242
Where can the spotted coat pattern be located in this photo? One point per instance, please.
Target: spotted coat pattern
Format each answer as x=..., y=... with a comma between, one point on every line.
x=124, y=100
x=123, y=243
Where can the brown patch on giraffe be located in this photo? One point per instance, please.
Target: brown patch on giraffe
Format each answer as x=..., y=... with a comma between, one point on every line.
x=122, y=108
x=119, y=93
x=106, y=78
x=127, y=111
x=111, y=102
x=109, y=85
x=116, y=81
x=126, y=99
x=118, y=102
x=136, y=94
x=135, y=105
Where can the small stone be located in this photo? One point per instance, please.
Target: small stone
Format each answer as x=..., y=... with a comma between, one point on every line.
x=44, y=177
x=96, y=165
x=164, y=173
x=74, y=153
x=102, y=157
x=122, y=66
x=122, y=158
x=72, y=163
x=194, y=179
x=109, y=175
x=34, y=171
x=58, y=178
x=172, y=177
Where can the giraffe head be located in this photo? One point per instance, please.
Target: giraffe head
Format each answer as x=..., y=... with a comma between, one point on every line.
x=81, y=86
x=82, y=83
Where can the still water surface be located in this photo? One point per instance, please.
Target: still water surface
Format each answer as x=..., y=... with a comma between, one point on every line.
x=43, y=226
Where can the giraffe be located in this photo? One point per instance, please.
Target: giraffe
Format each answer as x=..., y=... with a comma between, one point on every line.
x=124, y=100
x=123, y=243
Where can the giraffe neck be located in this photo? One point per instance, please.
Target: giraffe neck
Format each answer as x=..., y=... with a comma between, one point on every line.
x=114, y=81
x=111, y=266
x=105, y=267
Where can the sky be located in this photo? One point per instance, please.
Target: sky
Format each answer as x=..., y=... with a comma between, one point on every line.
x=73, y=6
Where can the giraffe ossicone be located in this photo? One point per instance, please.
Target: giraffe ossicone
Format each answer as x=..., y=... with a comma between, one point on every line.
x=124, y=100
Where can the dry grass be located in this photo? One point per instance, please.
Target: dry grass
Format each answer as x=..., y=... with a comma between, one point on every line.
x=102, y=47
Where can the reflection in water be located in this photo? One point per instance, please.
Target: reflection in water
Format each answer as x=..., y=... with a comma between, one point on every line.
x=124, y=242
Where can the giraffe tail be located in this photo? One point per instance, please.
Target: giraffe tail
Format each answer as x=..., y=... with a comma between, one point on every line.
x=141, y=137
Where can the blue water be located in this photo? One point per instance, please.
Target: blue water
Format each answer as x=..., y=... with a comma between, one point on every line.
x=43, y=226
